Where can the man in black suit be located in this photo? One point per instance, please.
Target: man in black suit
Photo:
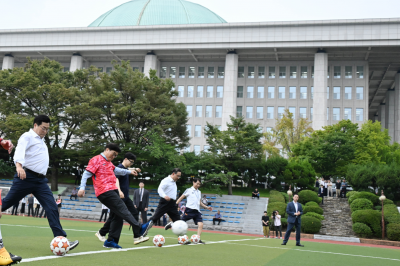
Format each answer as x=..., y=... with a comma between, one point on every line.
x=78, y=176
x=294, y=211
x=141, y=200
x=321, y=192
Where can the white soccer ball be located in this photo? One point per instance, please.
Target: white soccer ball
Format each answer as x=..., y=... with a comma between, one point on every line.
x=179, y=228
x=59, y=246
x=195, y=239
x=158, y=240
x=183, y=239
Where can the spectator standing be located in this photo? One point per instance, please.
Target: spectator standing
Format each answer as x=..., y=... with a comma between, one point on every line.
x=344, y=188
x=23, y=203
x=277, y=223
x=317, y=183
x=255, y=194
x=78, y=175
x=30, y=205
x=338, y=186
x=74, y=194
x=59, y=203
x=325, y=188
x=294, y=211
x=330, y=189
x=218, y=218
x=265, y=224
x=104, y=211
x=37, y=207
x=141, y=199
x=165, y=219
x=15, y=209
x=321, y=193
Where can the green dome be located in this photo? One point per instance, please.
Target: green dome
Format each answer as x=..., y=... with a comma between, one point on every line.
x=157, y=12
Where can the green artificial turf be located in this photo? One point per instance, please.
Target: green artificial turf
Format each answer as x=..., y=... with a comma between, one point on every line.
x=32, y=239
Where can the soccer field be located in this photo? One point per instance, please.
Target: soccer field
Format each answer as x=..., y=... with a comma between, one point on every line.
x=30, y=238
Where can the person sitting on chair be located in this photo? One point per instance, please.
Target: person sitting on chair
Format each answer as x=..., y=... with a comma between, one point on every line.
x=218, y=218
x=255, y=194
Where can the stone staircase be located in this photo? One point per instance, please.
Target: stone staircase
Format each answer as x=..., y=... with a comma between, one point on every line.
x=337, y=218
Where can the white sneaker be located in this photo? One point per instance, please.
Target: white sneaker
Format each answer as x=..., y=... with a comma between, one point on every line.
x=140, y=239
x=277, y=237
x=100, y=237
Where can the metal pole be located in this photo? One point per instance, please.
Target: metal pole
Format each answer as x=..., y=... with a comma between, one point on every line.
x=383, y=219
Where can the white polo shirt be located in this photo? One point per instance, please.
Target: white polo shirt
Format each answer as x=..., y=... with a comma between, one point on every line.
x=193, y=198
x=168, y=188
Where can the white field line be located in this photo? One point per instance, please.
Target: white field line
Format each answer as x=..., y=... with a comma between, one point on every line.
x=315, y=251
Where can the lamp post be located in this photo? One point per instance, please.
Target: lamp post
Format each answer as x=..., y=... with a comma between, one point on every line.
x=382, y=199
x=289, y=192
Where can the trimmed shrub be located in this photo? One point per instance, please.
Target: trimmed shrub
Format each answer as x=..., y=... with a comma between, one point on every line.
x=276, y=206
x=378, y=208
x=351, y=193
x=275, y=196
x=286, y=196
x=310, y=225
x=362, y=230
x=393, y=232
x=391, y=214
x=318, y=210
x=361, y=204
x=319, y=200
x=364, y=195
x=312, y=203
x=284, y=222
x=388, y=202
x=371, y=218
x=394, y=219
x=315, y=215
x=307, y=196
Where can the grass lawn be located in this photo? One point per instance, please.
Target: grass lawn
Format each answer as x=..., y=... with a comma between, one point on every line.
x=30, y=238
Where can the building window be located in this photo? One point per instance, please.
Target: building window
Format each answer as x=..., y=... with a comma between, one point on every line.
x=209, y=111
x=327, y=113
x=186, y=149
x=199, y=110
x=135, y=68
x=220, y=91
x=218, y=111
x=271, y=92
x=206, y=148
x=360, y=72
x=303, y=70
x=336, y=93
x=182, y=71
x=197, y=149
x=348, y=72
x=163, y=72
x=200, y=74
x=359, y=114
x=250, y=92
x=327, y=93
x=261, y=72
x=181, y=90
x=347, y=114
x=271, y=72
x=281, y=110
x=189, y=110
x=221, y=72
x=281, y=94
x=250, y=73
x=303, y=92
x=312, y=72
x=108, y=70
x=199, y=93
x=347, y=93
x=311, y=113
x=329, y=70
x=260, y=92
x=219, y=128
x=293, y=111
x=210, y=92
x=66, y=69
x=240, y=72
x=282, y=72
x=190, y=91
x=249, y=112
x=312, y=92
x=292, y=92
x=293, y=72
x=239, y=111
x=189, y=130
x=260, y=112
x=303, y=112
x=360, y=93
x=197, y=131
x=270, y=112
x=172, y=72
x=336, y=72
x=210, y=72
x=269, y=129
x=335, y=114
x=192, y=72
x=240, y=92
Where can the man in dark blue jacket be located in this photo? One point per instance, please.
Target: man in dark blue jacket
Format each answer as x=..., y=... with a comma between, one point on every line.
x=294, y=211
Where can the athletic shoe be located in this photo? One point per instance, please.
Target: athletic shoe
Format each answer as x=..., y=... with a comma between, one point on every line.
x=144, y=230
x=168, y=226
x=5, y=257
x=15, y=259
x=277, y=237
x=139, y=240
x=201, y=242
x=111, y=244
x=187, y=243
x=100, y=237
x=73, y=244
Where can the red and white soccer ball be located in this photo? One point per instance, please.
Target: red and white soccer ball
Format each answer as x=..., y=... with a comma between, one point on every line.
x=183, y=239
x=195, y=239
x=158, y=240
x=59, y=246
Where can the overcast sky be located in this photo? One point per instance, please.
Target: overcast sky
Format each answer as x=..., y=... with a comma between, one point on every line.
x=17, y=14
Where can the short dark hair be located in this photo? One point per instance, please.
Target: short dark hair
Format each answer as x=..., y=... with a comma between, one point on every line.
x=141, y=182
x=195, y=180
x=130, y=156
x=41, y=119
x=113, y=147
x=265, y=211
x=176, y=170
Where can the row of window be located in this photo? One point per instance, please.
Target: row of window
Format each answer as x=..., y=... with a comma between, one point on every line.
x=200, y=91
x=208, y=111
x=108, y=69
x=192, y=72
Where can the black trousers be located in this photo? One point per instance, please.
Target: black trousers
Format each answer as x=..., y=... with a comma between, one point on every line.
x=219, y=220
x=290, y=226
x=43, y=212
x=255, y=196
x=322, y=198
x=118, y=213
x=103, y=212
x=15, y=210
x=168, y=207
x=143, y=212
x=75, y=196
x=37, y=210
x=30, y=209
x=22, y=211
x=77, y=179
x=278, y=229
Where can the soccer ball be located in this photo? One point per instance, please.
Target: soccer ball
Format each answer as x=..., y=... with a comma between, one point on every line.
x=179, y=228
x=183, y=239
x=59, y=246
x=158, y=241
x=195, y=239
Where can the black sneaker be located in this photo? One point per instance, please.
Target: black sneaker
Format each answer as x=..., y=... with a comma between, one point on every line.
x=201, y=242
x=188, y=243
x=168, y=226
x=73, y=244
x=15, y=259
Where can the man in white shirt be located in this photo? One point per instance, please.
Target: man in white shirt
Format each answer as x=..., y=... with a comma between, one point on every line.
x=32, y=161
x=192, y=210
x=167, y=191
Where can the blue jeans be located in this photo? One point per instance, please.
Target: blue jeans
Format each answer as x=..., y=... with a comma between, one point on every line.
x=290, y=226
x=39, y=188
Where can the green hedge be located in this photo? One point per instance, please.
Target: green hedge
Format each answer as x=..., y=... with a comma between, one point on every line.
x=393, y=232
x=286, y=196
x=362, y=230
x=315, y=215
x=378, y=208
x=371, y=218
x=312, y=203
x=275, y=196
x=361, y=204
x=388, y=202
x=318, y=210
x=365, y=195
x=284, y=222
x=307, y=196
x=391, y=213
x=310, y=225
x=351, y=193
x=277, y=206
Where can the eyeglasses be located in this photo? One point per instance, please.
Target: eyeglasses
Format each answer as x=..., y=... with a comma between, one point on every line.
x=44, y=129
x=131, y=161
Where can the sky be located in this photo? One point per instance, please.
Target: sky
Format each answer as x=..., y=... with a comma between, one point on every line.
x=19, y=14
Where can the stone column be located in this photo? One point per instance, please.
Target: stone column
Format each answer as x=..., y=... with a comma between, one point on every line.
x=320, y=102
x=8, y=61
x=76, y=62
x=397, y=108
x=150, y=62
x=230, y=88
x=382, y=115
x=390, y=115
